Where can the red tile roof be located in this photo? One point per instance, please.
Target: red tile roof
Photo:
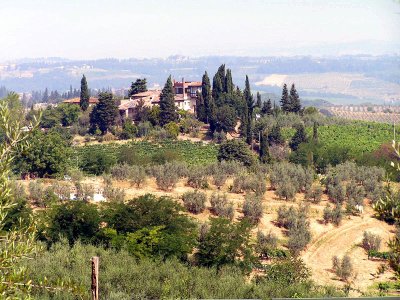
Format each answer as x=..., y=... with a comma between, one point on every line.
x=92, y=100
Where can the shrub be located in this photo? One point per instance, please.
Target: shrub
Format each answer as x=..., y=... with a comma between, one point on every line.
x=37, y=193
x=249, y=183
x=236, y=150
x=166, y=178
x=299, y=235
x=252, y=208
x=337, y=193
x=219, y=178
x=97, y=162
x=371, y=242
x=84, y=191
x=137, y=176
x=197, y=178
x=114, y=194
x=285, y=189
x=221, y=207
x=108, y=137
x=333, y=216
x=266, y=243
x=194, y=201
x=219, y=137
x=343, y=268
x=172, y=130
x=314, y=194
x=62, y=190
x=120, y=172
x=286, y=217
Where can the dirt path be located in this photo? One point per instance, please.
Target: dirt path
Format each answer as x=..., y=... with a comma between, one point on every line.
x=345, y=240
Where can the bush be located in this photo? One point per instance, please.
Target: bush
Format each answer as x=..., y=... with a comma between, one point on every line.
x=97, y=162
x=197, y=178
x=172, y=130
x=236, y=150
x=194, y=201
x=343, y=268
x=314, y=194
x=221, y=207
x=266, y=243
x=219, y=137
x=114, y=194
x=299, y=235
x=37, y=193
x=371, y=242
x=137, y=176
x=285, y=189
x=219, y=178
x=120, y=172
x=286, y=217
x=84, y=191
x=166, y=178
x=249, y=183
x=253, y=208
x=333, y=216
x=337, y=193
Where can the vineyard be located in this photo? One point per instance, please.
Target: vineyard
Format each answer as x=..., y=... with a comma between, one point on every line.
x=189, y=152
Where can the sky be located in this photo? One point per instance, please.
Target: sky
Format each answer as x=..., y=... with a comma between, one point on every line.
x=91, y=29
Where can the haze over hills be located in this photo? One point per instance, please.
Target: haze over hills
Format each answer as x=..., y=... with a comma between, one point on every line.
x=341, y=79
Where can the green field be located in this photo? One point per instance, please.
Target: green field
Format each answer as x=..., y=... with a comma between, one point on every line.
x=189, y=152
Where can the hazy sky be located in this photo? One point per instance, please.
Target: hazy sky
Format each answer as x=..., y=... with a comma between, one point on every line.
x=149, y=28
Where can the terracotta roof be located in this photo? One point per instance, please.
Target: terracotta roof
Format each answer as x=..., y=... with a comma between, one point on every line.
x=147, y=93
x=187, y=83
x=133, y=103
x=92, y=100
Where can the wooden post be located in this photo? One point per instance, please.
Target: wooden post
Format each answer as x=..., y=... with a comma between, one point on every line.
x=95, y=278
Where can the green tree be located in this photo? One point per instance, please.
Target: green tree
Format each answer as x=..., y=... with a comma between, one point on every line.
x=275, y=136
x=225, y=119
x=209, y=104
x=285, y=101
x=236, y=150
x=73, y=220
x=299, y=137
x=229, y=82
x=167, y=104
x=294, y=100
x=200, y=108
x=45, y=97
x=104, y=114
x=265, y=156
x=226, y=243
x=139, y=86
x=315, y=132
x=266, y=108
x=18, y=244
x=69, y=114
x=258, y=101
x=250, y=106
x=48, y=155
x=85, y=95
x=219, y=82
x=178, y=234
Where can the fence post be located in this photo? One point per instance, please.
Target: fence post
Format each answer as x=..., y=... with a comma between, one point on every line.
x=95, y=278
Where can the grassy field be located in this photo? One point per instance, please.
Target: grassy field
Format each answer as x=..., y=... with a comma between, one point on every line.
x=192, y=153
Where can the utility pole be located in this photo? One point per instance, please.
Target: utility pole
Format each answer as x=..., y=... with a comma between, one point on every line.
x=95, y=278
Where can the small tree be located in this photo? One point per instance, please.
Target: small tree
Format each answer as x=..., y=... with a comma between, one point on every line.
x=266, y=243
x=314, y=194
x=252, y=208
x=194, y=201
x=285, y=189
x=236, y=150
x=85, y=95
x=104, y=114
x=371, y=242
x=221, y=207
x=167, y=104
x=343, y=268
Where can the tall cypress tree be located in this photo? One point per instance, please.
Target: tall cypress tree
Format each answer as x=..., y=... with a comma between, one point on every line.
x=285, y=101
x=167, y=104
x=200, y=108
x=294, y=99
x=315, y=132
x=250, y=106
x=264, y=149
x=45, y=98
x=229, y=82
x=258, y=102
x=209, y=105
x=104, y=113
x=84, y=98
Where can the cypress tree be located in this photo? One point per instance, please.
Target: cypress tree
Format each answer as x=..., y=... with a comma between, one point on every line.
x=228, y=82
x=84, y=97
x=264, y=150
x=275, y=136
x=267, y=108
x=104, y=113
x=285, y=101
x=200, y=108
x=294, y=99
x=209, y=105
x=298, y=138
x=45, y=98
x=222, y=76
x=250, y=106
x=167, y=104
x=315, y=132
x=258, y=102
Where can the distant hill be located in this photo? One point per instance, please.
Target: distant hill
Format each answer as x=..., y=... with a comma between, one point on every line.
x=359, y=77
